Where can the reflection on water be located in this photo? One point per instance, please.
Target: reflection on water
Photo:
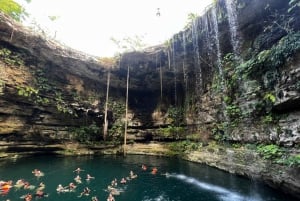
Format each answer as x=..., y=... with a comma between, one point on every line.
x=223, y=194
x=186, y=182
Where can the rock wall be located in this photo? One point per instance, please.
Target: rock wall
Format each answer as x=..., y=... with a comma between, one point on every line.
x=232, y=76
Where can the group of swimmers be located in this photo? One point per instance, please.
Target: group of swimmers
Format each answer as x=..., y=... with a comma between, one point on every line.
x=112, y=188
x=5, y=187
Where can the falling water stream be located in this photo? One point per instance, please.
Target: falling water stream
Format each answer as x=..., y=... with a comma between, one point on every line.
x=233, y=26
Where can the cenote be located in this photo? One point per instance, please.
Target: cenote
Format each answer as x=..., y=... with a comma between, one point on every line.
x=184, y=180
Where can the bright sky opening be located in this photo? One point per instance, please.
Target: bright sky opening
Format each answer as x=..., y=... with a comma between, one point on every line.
x=89, y=25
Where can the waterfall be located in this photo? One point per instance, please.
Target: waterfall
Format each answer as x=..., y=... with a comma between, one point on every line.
x=233, y=25
x=174, y=70
x=219, y=66
x=198, y=73
x=184, y=70
x=217, y=43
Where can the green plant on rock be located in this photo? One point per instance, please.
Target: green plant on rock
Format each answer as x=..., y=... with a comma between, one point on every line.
x=172, y=131
x=32, y=94
x=184, y=147
x=86, y=134
x=10, y=58
x=176, y=116
x=271, y=152
x=270, y=60
x=13, y=9
x=291, y=161
x=61, y=105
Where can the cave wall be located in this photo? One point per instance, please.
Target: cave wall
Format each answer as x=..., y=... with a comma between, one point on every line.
x=234, y=75
x=209, y=80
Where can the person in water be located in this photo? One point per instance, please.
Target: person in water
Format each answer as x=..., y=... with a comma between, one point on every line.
x=60, y=188
x=86, y=191
x=72, y=186
x=89, y=177
x=110, y=197
x=28, y=197
x=154, y=170
x=78, y=179
x=144, y=167
x=123, y=181
x=78, y=170
x=94, y=198
x=40, y=194
x=132, y=175
x=37, y=173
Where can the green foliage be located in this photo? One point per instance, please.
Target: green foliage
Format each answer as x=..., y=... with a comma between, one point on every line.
x=271, y=152
x=86, y=134
x=172, y=131
x=42, y=82
x=10, y=58
x=13, y=9
x=61, y=105
x=184, y=146
x=233, y=111
x=190, y=19
x=31, y=94
x=176, y=115
x=273, y=58
x=291, y=161
x=218, y=131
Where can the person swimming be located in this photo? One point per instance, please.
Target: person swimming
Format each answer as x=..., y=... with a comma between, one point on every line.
x=154, y=170
x=89, y=177
x=132, y=175
x=78, y=179
x=40, y=194
x=94, y=198
x=78, y=170
x=37, y=173
x=110, y=197
x=123, y=181
x=86, y=191
x=60, y=188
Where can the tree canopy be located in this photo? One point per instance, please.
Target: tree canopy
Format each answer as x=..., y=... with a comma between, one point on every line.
x=13, y=9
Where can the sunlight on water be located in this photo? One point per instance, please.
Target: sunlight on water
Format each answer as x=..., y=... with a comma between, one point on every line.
x=162, y=197
x=224, y=194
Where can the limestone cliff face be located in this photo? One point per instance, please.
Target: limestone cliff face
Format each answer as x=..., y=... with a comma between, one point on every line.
x=232, y=75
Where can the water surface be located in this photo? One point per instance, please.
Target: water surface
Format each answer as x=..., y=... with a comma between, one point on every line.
x=184, y=181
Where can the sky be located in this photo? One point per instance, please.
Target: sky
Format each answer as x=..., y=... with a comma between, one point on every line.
x=89, y=25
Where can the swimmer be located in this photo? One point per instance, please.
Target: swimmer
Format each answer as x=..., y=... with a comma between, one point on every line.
x=132, y=175
x=60, y=188
x=123, y=181
x=86, y=191
x=27, y=197
x=78, y=170
x=40, y=194
x=154, y=170
x=94, y=198
x=37, y=173
x=110, y=197
x=41, y=186
x=89, y=177
x=72, y=186
x=144, y=167
x=78, y=179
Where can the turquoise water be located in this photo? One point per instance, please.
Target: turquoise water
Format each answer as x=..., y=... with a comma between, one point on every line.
x=185, y=181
